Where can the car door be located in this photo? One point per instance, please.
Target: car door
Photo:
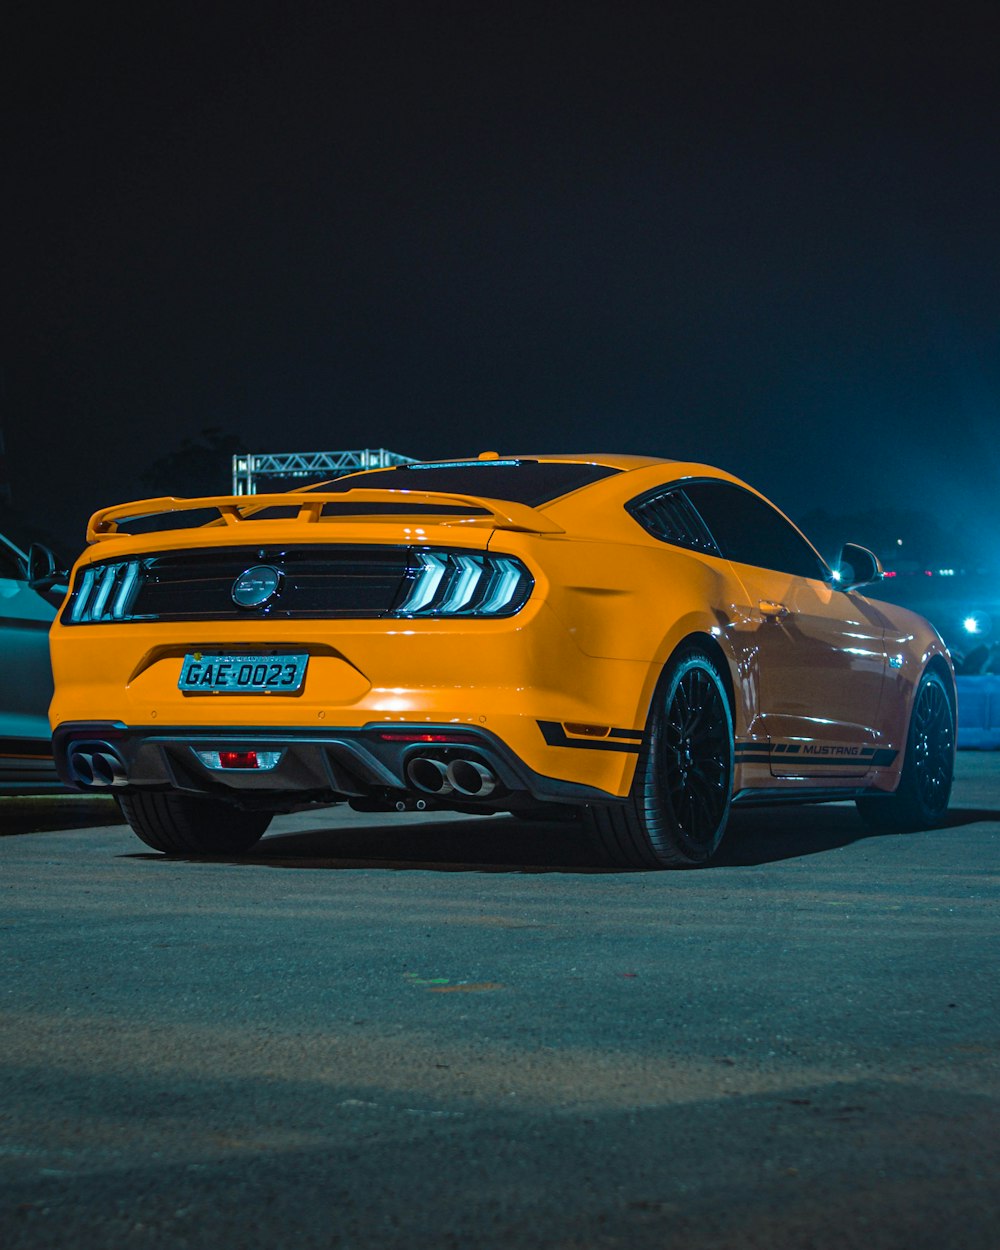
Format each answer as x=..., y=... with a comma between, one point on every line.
x=25, y=672
x=815, y=654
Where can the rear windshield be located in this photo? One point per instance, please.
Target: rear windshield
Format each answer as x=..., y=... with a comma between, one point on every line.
x=533, y=482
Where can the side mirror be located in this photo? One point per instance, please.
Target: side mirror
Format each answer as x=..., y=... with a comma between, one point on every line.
x=44, y=575
x=41, y=566
x=857, y=566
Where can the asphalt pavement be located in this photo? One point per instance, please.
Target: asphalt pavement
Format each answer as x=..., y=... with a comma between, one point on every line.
x=428, y=1032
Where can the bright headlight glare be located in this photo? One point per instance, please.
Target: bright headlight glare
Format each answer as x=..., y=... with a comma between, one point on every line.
x=977, y=624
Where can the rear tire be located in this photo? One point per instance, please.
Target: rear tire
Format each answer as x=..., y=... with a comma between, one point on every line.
x=184, y=824
x=921, y=799
x=676, y=812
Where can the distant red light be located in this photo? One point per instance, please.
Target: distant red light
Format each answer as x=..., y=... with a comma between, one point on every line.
x=238, y=759
x=889, y=573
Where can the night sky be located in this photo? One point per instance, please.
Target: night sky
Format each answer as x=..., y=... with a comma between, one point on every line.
x=767, y=237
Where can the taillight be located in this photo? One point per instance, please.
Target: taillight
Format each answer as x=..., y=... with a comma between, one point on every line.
x=105, y=592
x=241, y=760
x=460, y=583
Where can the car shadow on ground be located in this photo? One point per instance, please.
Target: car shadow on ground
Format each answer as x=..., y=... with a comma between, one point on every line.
x=754, y=837
x=500, y=844
x=765, y=835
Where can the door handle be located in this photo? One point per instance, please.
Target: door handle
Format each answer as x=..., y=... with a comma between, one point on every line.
x=772, y=611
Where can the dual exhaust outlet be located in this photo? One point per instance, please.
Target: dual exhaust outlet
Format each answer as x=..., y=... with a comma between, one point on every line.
x=467, y=778
x=97, y=766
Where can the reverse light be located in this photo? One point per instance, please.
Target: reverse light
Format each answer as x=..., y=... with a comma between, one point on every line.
x=458, y=583
x=263, y=761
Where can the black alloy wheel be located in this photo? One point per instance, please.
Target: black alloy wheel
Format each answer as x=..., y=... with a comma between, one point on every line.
x=921, y=799
x=677, y=810
x=695, y=753
x=933, y=746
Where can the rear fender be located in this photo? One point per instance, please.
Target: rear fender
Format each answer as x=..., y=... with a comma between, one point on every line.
x=697, y=634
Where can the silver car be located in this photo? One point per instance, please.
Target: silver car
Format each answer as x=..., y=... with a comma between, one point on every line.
x=31, y=589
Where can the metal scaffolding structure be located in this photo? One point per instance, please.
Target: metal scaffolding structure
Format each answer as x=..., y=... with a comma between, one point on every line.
x=311, y=464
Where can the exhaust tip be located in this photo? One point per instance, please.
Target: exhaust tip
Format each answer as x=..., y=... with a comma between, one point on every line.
x=109, y=768
x=97, y=766
x=472, y=778
x=79, y=763
x=429, y=775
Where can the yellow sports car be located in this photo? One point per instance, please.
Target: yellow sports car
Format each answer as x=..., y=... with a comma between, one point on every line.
x=637, y=641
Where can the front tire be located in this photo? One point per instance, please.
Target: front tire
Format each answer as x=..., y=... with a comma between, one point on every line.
x=676, y=812
x=921, y=798
x=184, y=824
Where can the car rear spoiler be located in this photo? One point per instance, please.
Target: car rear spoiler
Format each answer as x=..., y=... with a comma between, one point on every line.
x=238, y=509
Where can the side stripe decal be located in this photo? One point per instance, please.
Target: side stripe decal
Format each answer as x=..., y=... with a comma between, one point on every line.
x=762, y=753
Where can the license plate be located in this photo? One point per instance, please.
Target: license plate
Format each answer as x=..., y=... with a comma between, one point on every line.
x=242, y=674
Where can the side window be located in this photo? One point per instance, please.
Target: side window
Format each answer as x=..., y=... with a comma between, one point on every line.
x=750, y=531
x=669, y=517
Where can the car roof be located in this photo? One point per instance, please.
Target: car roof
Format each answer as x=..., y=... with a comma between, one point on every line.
x=613, y=460
x=629, y=476
x=594, y=508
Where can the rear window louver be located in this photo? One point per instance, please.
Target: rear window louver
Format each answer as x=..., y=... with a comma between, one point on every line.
x=672, y=518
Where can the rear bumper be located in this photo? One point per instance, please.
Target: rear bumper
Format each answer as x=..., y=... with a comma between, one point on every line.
x=501, y=679
x=370, y=765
